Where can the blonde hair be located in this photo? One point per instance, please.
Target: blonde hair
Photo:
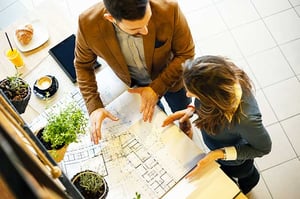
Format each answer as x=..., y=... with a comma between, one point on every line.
x=213, y=80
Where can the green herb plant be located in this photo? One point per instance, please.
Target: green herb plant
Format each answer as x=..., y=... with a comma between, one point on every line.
x=16, y=83
x=137, y=195
x=91, y=182
x=14, y=87
x=63, y=128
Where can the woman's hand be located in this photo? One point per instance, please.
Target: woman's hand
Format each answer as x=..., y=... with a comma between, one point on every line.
x=184, y=120
x=182, y=116
x=206, y=161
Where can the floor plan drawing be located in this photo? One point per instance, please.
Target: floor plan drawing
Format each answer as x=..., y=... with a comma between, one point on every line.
x=133, y=155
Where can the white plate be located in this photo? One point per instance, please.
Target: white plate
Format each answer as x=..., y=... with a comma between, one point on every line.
x=40, y=36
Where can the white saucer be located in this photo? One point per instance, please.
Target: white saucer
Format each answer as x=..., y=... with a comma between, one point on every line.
x=40, y=36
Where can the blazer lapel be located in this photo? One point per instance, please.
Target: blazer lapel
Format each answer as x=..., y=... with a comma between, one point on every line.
x=112, y=44
x=149, y=42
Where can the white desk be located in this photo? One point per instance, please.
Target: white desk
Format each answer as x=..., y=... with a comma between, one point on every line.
x=38, y=62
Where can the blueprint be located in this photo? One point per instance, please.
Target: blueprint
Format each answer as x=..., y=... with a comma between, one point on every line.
x=133, y=155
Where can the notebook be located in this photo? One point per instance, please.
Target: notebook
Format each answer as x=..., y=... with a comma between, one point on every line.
x=63, y=53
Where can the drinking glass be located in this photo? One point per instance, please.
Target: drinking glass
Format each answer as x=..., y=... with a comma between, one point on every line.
x=15, y=57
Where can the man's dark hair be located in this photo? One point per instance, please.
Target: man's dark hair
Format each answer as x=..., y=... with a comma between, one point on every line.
x=126, y=9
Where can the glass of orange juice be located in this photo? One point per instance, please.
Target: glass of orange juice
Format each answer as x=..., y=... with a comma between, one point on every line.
x=15, y=57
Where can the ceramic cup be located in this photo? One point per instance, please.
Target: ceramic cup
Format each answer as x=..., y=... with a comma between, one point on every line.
x=44, y=83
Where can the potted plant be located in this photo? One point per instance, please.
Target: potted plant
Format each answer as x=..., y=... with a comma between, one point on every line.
x=91, y=184
x=62, y=129
x=137, y=195
x=17, y=91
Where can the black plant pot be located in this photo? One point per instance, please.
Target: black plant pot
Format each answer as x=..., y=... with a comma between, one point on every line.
x=58, y=152
x=101, y=194
x=19, y=104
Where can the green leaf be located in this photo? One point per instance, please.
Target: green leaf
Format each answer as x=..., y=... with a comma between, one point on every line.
x=64, y=128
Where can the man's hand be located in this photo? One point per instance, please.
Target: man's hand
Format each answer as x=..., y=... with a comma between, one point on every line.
x=149, y=100
x=96, y=118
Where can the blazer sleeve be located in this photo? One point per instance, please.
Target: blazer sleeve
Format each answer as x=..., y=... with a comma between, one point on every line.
x=86, y=78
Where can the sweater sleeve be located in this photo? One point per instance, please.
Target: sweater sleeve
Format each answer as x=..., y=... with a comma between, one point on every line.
x=257, y=140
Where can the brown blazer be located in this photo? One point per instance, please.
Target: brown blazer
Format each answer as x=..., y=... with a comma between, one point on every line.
x=167, y=45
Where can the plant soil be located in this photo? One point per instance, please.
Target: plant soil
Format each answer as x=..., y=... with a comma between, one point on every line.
x=16, y=95
x=88, y=194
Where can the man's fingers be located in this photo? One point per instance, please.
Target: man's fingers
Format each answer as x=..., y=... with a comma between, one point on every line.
x=96, y=135
x=112, y=117
x=142, y=107
x=148, y=113
x=149, y=100
x=96, y=119
x=94, y=138
x=134, y=90
x=93, y=132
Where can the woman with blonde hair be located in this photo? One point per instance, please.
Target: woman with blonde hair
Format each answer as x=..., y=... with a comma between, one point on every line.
x=228, y=117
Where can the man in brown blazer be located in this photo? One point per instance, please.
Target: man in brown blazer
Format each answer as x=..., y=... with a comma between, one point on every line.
x=144, y=42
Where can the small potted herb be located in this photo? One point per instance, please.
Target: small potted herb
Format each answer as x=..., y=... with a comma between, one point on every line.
x=137, y=195
x=17, y=91
x=90, y=184
x=62, y=129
